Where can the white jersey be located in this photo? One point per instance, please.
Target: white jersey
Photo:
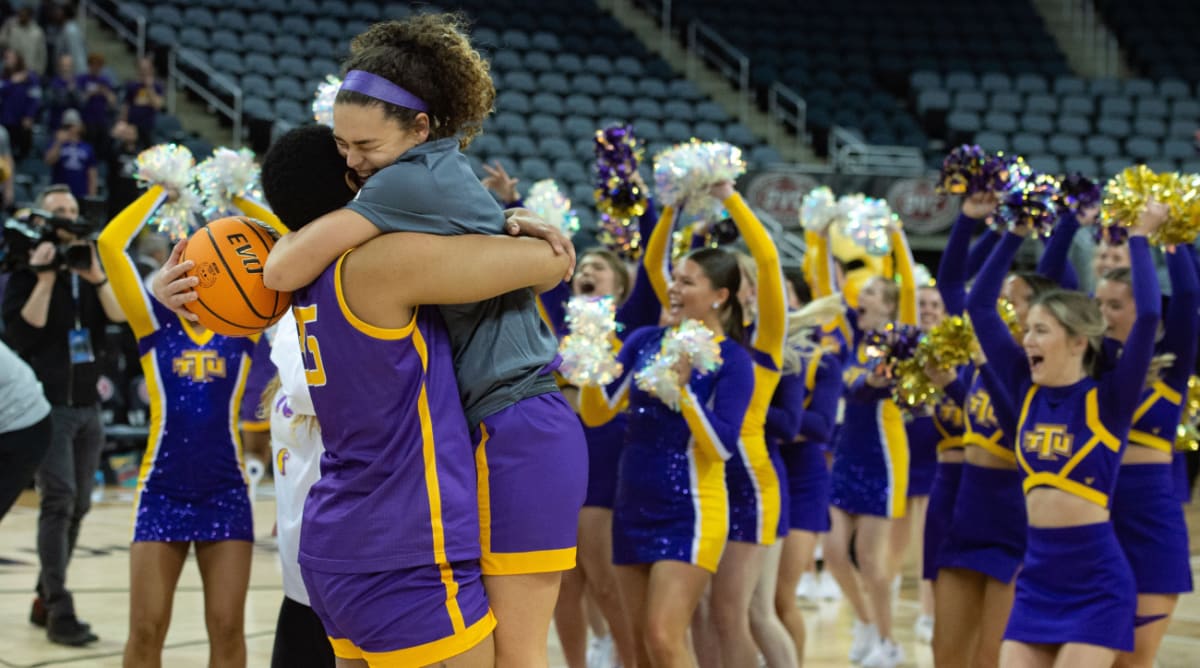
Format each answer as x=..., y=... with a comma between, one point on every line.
x=296, y=448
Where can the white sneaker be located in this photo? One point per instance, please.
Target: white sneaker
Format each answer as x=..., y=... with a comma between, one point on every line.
x=827, y=587
x=923, y=629
x=600, y=652
x=864, y=639
x=807, y=588
x=887, y=654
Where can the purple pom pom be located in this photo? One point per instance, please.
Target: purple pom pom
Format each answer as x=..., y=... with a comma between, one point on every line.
x=1080, y=192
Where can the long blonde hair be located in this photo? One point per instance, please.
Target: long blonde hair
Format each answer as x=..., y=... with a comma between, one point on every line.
x=266, y=404
x=800, y=344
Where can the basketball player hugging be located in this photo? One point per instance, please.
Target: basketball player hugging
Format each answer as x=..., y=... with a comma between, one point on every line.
x=415, y=93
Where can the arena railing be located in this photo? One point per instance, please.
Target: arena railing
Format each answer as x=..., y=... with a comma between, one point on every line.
x=851, y=155
x=181, y=76
x=788, y=108
x=705, y=45
x=111, y=16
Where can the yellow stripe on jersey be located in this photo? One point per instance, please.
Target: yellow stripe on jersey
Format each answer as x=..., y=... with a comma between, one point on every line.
x=112, y=249
x=483, y=487
x=1160, y=390
x=990, y=444
x=703, y=433
x=657, y=256
x=382, y=333
x=157, y=419
x=235, y=405
x=710, y=503
x=428, y=654
x=259, y=211
x=200, y=338
x=895, y=451
x=1060, y=479
x=597, y=408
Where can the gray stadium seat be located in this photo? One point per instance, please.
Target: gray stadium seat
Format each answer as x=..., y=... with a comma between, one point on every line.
x=1103, y=87
x=992, y=141
x=706, y=131
x=1181, y=128
x=1112, y=165
x=261, y=64
x=1074, y=125
x=995, y=81
x=291, y=66
x=1102, y=147
x=1077, y=104
x=553, y=82
x=1178, y=150
x=289, y=87
x=739, y=135
x=535, y=169
x=963, y=121
x=1006, y=101
x=647, y=108
x=620, y=85
x=168, y=15
x=513, y=101
x=515, y=39
x=538, y=61
x=1189, y=109
x=257, y=107
x=161, y=33
x=366, y=10
x=765, y=155
x=555, y=148
x=1028, y=144
x=1037, y=123
x=925, y=80
x=652, y=88
x=1069, y=86
x=1138, y=87
x=676, y=131
x=1113, y=127
x=1142, y=148
x=1155, y=128
x=1151, y=107
x=1041, y=104
x=1190, y=166
x=679, y=110
x=568, y=63
x=339, y=9
x=521, y=146
x=1047, y=164
x=548, y=103
x=1082, y=164
x=326, y=27
x=263, y=23
x=930, y=100
x=615, y=107
x=628, y=66
x=569, y=170
x=682, y=89
x=583, y=196
x=506, y=60
x=957, y=81
x=969, y=100
x=485, y=38
x=290, y=111
x=228, y=63
x=587, y=84
x=511, y=123
x=579, y=126
x=597, y=63
x=711, y=111
x=519, y=81
x=999, y=121
x=486, y=144
x=1174, y=89
x=545, y=41
x=194, y=38
x=1163, y=165
x=295, y=25
x=647, y=130
x=289, y=45
x=1065, y=146
x=545, y=125
x=1116, y=106
x=1030, y=83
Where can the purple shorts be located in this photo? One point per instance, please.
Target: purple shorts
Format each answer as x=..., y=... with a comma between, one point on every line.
x=221, y=515
x=532, y=464
x=411, y=617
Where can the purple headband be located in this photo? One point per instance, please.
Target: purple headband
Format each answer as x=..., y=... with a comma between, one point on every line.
x=379, y=88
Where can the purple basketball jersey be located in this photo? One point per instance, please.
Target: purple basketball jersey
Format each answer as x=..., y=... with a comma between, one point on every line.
x=397, y=485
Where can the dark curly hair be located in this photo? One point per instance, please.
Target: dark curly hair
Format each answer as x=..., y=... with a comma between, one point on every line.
x=430, y=56
x=304, y=176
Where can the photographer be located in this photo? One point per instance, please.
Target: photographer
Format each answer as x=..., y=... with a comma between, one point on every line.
x=55, y=317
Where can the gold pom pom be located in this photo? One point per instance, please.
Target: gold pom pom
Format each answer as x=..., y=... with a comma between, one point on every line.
x=1187, y=436
x=1126, y=194
x=1009, y=313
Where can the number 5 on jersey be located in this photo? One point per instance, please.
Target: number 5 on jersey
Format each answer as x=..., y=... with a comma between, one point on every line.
x=310, y=349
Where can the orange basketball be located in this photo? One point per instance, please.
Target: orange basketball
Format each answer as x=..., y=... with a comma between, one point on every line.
x=229, y=254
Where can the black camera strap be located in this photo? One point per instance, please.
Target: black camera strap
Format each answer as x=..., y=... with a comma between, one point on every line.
x=75, y=300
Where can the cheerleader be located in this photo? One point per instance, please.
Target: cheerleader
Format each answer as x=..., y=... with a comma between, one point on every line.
x=1146, y=515
x=670, y=514
x=1069, y=439
x=870, y=467
x=800, y=422
x=192, y=487
x=753, y=482
x=925, y=435
x=979, y=540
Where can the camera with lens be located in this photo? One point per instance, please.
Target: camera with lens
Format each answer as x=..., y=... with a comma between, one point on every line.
x=30, y=227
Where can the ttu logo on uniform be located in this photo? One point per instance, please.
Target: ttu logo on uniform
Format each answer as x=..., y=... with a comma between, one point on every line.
x=200, y=366
x=1049, y=441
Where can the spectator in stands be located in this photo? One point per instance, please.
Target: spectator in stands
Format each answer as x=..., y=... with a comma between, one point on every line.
x=8, y=171
x=123, y=187
x=99, y=101
x=25, y=36
x=55, y=318
x=69, y=41
x=72, y=160
x=61, y=92
x=20, y=101
x=143, y=98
